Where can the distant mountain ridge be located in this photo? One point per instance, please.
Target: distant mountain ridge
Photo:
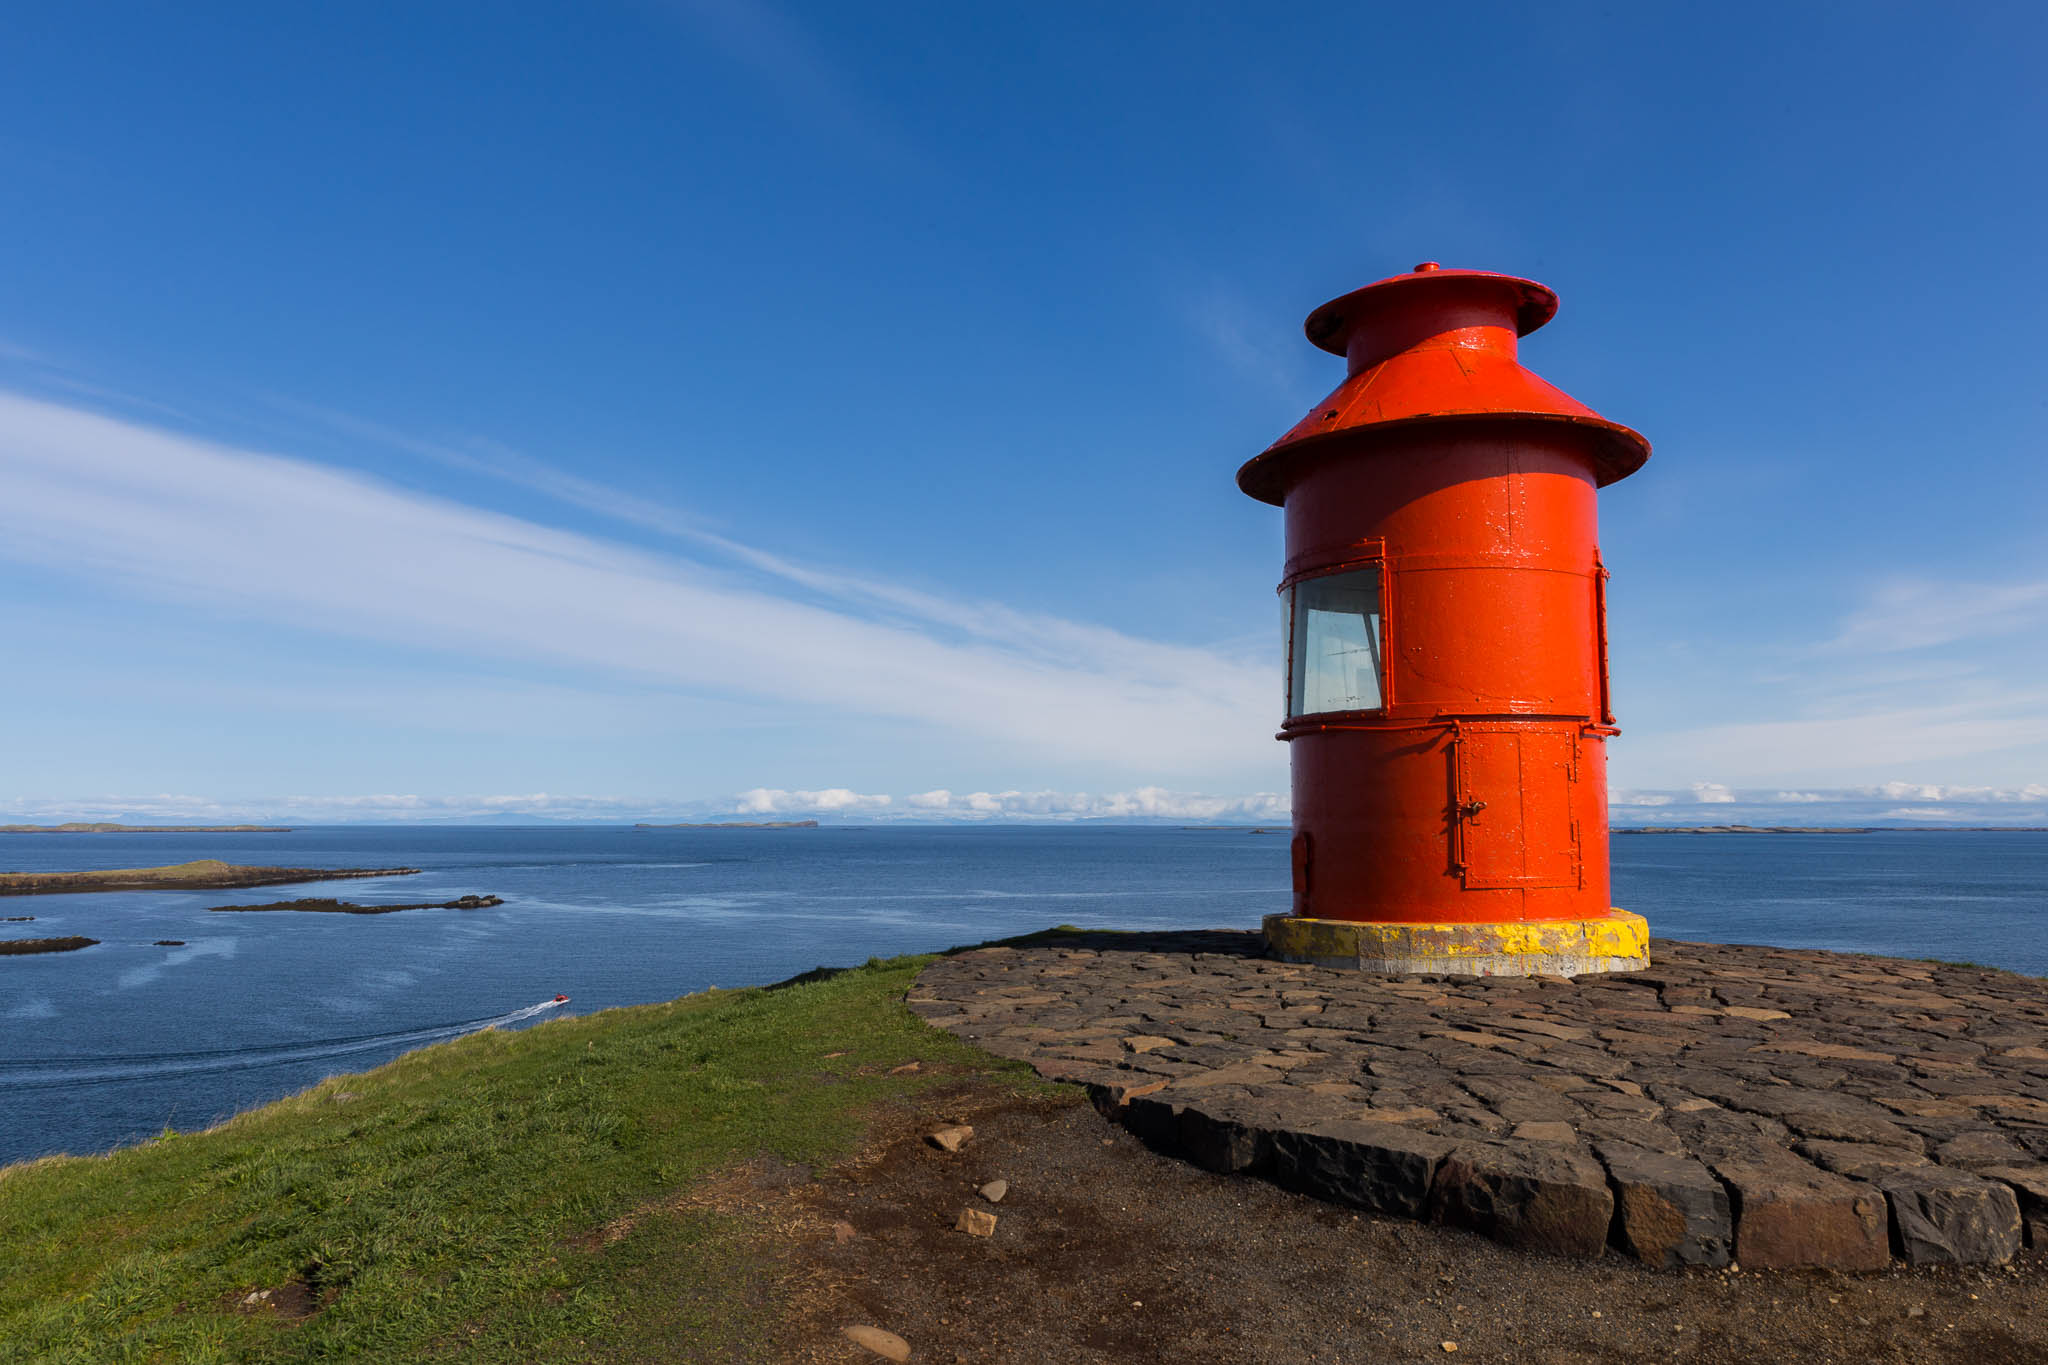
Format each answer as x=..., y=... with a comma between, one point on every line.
x=740, y=824
x=83, y=827
x=1830, y=829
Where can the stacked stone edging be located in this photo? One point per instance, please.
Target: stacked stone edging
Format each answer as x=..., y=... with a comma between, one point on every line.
x=1784, y=1108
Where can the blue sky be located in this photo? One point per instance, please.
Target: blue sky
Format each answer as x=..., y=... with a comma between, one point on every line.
x=441, y=410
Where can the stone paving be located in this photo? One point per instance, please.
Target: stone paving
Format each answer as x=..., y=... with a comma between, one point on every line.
x=1780, y=1108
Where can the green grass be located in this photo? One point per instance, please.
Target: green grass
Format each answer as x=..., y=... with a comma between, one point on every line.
x=444, y=1204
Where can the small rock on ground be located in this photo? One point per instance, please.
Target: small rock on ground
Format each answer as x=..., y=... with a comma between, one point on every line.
x=887, y=1345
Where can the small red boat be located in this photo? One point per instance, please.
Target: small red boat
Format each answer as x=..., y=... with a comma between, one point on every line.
x=561, y=1000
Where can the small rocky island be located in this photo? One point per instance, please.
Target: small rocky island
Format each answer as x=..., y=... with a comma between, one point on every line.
x=1744, y=829
x=208, y=874
x=741, y=824
x=314, y=905
x=17, y=947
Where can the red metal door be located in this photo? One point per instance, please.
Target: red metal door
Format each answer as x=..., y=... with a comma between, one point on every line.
x=1514, y=823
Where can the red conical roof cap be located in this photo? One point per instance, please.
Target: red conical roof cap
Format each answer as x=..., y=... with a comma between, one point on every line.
x=1436, y=345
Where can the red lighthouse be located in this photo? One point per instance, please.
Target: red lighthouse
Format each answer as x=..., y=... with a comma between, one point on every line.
x=1445, y=607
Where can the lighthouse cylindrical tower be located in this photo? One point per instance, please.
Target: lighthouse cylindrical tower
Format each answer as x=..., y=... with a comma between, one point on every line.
x=1445, y=611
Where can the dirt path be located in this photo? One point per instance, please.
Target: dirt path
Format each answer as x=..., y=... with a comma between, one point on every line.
x=1106, y=1251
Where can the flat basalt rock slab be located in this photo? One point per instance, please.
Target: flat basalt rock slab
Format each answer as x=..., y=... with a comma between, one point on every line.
x=1384, y=1167
x=1787, y=1108
x=1791, y=1215
x=1946, y=1217
x=1529, y=1195
x=1670, y=1211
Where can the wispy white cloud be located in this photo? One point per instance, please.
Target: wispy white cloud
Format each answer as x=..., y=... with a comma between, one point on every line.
x=791, y=64
x=1249, y=342
x=166, y=515
x=1939, y=677
x=981, y=620
x=1711, y=793
x=1844, y=745
x=43, y=371
x=1910, y=614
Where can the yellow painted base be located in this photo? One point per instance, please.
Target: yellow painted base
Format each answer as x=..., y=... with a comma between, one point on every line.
x=1616, y=942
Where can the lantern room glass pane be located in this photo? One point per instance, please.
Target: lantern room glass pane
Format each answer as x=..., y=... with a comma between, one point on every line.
x=1334, y=629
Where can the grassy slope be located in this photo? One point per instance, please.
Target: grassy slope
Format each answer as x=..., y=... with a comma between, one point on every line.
x=446, y=1197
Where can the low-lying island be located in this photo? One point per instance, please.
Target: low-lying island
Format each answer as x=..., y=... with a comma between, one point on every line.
x=207, y=874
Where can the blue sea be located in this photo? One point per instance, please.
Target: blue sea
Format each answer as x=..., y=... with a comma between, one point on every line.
x=113, y=1043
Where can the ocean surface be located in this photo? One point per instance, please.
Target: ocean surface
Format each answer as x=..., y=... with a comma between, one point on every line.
x=113, y=1043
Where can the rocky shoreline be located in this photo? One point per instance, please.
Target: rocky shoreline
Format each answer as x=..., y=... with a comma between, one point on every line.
x=205, y=875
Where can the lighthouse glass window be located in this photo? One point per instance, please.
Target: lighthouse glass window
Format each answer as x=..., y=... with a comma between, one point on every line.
x=1334, y=633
